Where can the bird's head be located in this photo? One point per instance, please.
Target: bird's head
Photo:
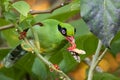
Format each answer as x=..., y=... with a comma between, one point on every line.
x=68, y=32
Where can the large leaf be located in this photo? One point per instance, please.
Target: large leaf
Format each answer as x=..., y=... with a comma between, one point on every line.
x=68, y=63
x=39, y=69
x=25, y=62
x=102, y=17
x=22, y=7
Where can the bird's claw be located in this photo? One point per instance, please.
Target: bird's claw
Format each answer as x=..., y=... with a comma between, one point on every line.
x=22, y=35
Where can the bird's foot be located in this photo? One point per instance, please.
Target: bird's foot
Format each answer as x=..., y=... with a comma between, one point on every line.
x=22, y=35
x=56, y=67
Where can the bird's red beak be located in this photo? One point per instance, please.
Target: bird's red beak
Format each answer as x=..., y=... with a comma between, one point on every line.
x=74, y=51
x=71, y=40
x=73, y=48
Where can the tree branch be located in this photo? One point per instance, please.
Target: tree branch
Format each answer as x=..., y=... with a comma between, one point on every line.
x=48, y=11
x=6, y=27
x=90, y=73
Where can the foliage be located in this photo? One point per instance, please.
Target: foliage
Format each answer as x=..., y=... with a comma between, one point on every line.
x=32, y=67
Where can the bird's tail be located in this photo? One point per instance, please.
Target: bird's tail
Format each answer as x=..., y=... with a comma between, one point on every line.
x=13, y=57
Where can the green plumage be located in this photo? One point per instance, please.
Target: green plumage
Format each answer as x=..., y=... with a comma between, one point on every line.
x=50, y=37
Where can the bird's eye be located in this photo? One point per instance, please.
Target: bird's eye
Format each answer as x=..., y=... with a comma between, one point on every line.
x=63, y=31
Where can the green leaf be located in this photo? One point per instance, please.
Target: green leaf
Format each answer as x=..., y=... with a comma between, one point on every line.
x=88, y=43
x=68, y=63
x=3, y=53
x=104, y=76
x=10, y=16
x=11, y=37
x=27, y=22
x=3, y=22
x=25, y=63
x=11, y=73
x=81, y=27
x=3, y=77
x=54, y=58
x=102, y=17
x=22, y=7
x=39, y=69
x=115, y=45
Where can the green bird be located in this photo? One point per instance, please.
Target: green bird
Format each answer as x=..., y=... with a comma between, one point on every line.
x=53, y=35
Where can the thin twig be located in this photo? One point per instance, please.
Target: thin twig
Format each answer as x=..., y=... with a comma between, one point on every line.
x=36, y=38
x=88, y=62
x=6, y=27
x=5, y=48
x=100, y=57
x=90, y=73
x=48, y=11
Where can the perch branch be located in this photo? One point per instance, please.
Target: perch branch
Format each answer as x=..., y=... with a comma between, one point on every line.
x=90, y=73
x=88, y=62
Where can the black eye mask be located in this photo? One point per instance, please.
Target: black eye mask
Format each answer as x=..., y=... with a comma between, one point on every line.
x=63, y=31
